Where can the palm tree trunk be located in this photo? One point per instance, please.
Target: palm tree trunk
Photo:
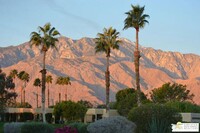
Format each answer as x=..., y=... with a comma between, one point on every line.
x=43, y=88
x=137, y=69
x=48, y=96
x=37, y=99
x=66, y=95
x=21, y=96
x=107, y=74
x=24, y=97
x=59, y=97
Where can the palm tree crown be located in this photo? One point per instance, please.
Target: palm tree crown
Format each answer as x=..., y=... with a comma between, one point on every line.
x=107, y=40
x=136, y=18
x=37, y=82
x=45, y=37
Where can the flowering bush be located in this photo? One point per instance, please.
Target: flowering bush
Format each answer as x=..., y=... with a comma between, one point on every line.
x=66, y=129
x=117, y=124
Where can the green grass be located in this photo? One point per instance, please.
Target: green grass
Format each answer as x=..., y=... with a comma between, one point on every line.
x=1, y=127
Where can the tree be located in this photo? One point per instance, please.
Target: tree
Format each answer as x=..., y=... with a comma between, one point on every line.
x=24, y=77
x=126, y=99
x=45, y=38
x=104, y=43
x=13, y=75
x=6, y=97
x=49, y=80
x=37, y=83
x=63, y=81
x=171, y=92
x=69, y=110
x=136, y=19
x=86, y=103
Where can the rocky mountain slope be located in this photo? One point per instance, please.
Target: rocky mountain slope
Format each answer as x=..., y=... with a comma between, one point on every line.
x=77, y=59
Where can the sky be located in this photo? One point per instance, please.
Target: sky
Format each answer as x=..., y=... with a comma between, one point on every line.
x=174, y=25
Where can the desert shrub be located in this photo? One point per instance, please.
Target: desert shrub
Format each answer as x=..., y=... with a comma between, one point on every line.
x=184, y=107
x=66, y=129
x=143, y=116
x=34, y=127
x=14, y=127
x=117, y=124
x=81, y=127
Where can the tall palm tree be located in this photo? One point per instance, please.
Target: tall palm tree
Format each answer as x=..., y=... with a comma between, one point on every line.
x=63, y=81
x=45, y=38
x=37, y=83
x=104, y=43
x=49, y=80
x=13, y=75
x=59, y=82
x=136, y=19
x=24, y=77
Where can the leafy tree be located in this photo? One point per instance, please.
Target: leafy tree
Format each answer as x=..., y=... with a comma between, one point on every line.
x=69, y=110
x=6, y=97
x=104, y=43
x=23, y=76
x=45, y=38
x=37, y=83
x=63, y=81
x=49, y=80
x=86, y=103
x=171, y=92
x=136, y=19
x=126, y=99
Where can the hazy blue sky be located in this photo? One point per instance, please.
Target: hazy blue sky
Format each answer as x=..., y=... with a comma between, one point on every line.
x=174, y=25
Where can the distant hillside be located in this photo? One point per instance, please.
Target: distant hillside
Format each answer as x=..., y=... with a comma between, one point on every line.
x=77, y=59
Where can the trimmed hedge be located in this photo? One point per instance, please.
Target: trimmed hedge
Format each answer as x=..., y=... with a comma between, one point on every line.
x=184, y=107
x=14, y=127
x=81, y=127
x=34, y=127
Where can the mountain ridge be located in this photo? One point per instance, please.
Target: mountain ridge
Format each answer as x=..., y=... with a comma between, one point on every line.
x=77, y=59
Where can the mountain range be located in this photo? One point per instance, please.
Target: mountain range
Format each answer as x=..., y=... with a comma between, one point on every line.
x=86, y=69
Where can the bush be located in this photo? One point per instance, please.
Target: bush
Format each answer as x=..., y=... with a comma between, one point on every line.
x=66, y=129
x=34, y=127
x=81, y=127
x=145, y=115
x=117, y=124
x=14, y=127
x=184, y=107
x=127, y=99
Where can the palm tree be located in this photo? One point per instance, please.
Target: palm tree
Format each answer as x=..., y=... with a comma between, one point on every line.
x=45, y=38
x=37, y=83
x=104, y=43
x=136, y=19
x=23, y=76
x=49, y=80
x=63, y=81
x=13, y=75
x=59, y=82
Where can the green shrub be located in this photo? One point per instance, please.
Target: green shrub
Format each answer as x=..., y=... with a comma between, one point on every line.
x=117, y=124
x=81, y=127
x=14, y=127
x=184, y=107
x=34, y=127
x=143, y=116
